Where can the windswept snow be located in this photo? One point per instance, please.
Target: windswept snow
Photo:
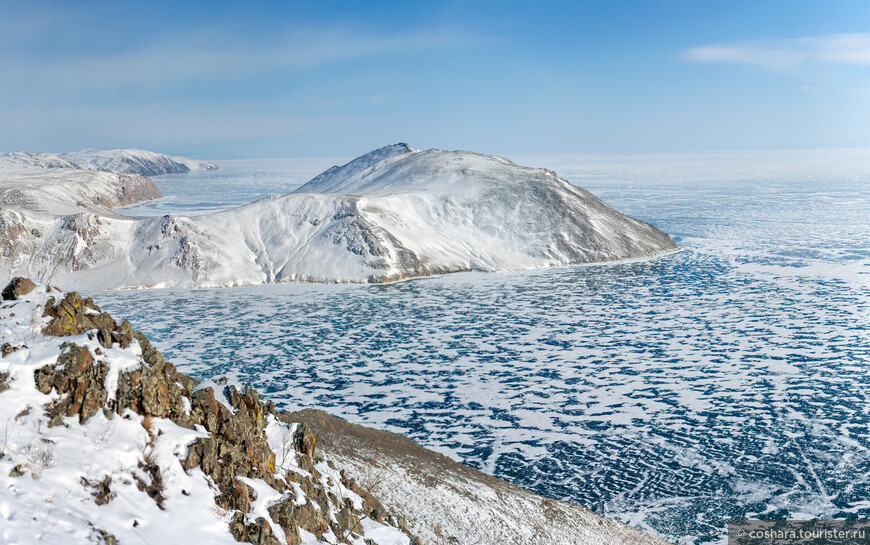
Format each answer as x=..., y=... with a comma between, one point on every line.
x=335, y=178
x=392, y=214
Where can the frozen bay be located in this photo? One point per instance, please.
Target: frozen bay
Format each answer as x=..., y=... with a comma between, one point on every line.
x=728, y=380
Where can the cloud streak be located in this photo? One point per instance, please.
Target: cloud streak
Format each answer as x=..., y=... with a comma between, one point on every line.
x=207, y=56
x=840, y=49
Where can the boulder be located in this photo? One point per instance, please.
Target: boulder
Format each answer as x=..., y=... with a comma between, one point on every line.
x=17, y=287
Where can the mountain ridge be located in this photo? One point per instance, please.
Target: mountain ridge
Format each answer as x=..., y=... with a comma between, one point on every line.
x=389, y=215
x=126, y=161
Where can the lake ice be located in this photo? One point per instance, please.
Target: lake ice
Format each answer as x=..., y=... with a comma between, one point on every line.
x=728, y=380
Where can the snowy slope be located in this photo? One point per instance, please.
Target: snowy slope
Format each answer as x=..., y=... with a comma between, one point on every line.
x=448, y=502
x=61, y=191
x=101, y=439
x=128, y=161
x=334, y=178
x=35, y=159
x=484, y=212
x=136, y=161
x=392, y=214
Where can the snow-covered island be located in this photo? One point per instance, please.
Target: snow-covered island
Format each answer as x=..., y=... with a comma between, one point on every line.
x=103, y=441
x=392, y=214
x=128, y=161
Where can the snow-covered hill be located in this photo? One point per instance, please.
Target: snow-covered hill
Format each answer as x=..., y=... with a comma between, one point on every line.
x=127, y=161
x=59, y=191
x=136, y=161
x=392, y=214
x=35, y=159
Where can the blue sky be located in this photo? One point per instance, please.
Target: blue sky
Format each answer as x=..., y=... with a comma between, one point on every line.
x=304, y=79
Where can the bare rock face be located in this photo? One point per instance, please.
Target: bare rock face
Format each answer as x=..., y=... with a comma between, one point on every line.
x=17, y=287
x=77, y=374
x=133, y=188
x=237, y=445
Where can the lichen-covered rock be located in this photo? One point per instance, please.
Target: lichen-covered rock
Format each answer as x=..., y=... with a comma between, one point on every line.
x=74, y=315
x=153, y=482
x=348, y=522
x=77, y=374
x=290, y=516
x=257, y=532
x=6, y=349
x=17, y=287
x=305, y=441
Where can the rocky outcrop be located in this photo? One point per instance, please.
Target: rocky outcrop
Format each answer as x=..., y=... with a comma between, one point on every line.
x=236, y=447
x=17, y=287
x=73, y=315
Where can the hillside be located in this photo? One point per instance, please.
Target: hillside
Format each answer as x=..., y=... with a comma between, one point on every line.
x=391, y=214
x=452, y=500
x=135, y=161
x=127, y=161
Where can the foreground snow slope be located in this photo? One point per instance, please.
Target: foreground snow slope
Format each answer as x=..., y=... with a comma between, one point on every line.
x=102, y=441
x=454, y=503
x=391, y=214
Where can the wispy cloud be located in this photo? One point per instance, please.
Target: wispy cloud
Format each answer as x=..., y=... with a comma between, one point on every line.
x=208, y=55
x=844, y=49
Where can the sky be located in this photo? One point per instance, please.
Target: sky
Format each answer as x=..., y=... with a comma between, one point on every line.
x=323, y=79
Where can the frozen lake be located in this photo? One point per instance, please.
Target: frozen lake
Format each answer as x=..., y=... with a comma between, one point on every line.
x=729, y=380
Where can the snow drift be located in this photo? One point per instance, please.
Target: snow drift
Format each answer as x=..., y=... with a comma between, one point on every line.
x=394, y=213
